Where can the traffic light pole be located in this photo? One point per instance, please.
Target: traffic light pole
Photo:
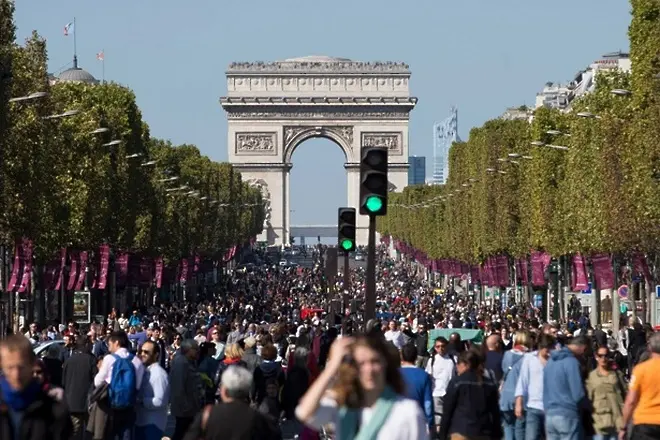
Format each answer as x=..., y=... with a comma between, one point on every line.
x=370, y=300
x=347, y=272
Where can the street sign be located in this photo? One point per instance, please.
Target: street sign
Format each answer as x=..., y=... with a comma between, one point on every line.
x=464, y=277
x=657, y=291
x=588, y=289
x=623, y=291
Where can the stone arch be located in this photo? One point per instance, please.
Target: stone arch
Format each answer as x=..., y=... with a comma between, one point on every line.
x=296, y=135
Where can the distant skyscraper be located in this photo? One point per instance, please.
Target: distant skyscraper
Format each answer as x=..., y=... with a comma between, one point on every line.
x=445, y=133
x=417, y=170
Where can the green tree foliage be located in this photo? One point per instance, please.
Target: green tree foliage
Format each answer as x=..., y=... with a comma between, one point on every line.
x=67, y=184
x=506, y=196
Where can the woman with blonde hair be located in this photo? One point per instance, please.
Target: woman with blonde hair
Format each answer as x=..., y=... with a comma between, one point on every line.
x=514, y=428
x=360, y=392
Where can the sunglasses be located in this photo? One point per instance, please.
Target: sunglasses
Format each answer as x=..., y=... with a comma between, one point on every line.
x=147, y=352
x=601, y=355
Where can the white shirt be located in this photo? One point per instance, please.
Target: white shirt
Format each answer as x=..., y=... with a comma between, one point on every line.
x=441, y=371
x=404, y=422
x=395, y=337
x=105, y=372
x=155, y=397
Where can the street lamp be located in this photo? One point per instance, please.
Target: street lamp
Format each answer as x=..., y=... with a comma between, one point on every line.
x=148, y=163
x=134, y=155
x=112, y=143
x=63, y=115
x=514, y=155
x=587, y=115
x=100, y=130
x=538, y=143
x=621, y=92
x=556, y=133
x=30, y=97
x=557, y=147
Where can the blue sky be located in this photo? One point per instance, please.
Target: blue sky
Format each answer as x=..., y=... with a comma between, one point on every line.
x=480, y=55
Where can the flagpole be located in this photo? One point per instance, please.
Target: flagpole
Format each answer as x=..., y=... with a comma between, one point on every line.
x=75, y=47
x=103, y=67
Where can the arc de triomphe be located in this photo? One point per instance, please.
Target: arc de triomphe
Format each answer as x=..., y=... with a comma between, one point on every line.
x=274, y=107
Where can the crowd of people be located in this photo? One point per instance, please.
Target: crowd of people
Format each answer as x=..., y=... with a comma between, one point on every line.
x=277, y=354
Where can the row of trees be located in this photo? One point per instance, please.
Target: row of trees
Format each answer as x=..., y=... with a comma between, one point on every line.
x=65, y=183
x=507, y=196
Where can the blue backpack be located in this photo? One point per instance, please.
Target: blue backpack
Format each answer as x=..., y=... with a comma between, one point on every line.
x=121, y=391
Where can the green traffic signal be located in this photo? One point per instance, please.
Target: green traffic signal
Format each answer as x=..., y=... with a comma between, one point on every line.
x=347, y=245
x=374, y=204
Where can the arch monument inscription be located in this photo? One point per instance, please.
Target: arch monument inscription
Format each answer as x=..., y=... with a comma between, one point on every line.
x=274, y=107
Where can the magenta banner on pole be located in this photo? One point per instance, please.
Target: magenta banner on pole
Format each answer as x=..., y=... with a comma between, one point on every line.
x=159, y=272
x=580, y=277
x=540, y=261
x=60, y=276
x=27, y=265
x=16, y=268
x=121, y=269
x=524, y=270
x=502, y=265
x=183, y=274
x=640, y=265
x=104, y=263
x=80, y=282
x=73, y=271
x=603, y=271
x=474, y=274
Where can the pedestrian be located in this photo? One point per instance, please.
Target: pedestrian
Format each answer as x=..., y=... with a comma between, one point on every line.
x=27, y=412
x=186, y=389
x=154, y=395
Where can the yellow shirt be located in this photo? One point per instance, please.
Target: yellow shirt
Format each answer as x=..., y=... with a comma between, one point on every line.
x=644, y=381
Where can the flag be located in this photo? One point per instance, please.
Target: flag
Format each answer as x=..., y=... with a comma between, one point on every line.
x=100, y=56
x=68, y=29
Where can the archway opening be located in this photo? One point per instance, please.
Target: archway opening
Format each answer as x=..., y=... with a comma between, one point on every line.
x=318, y=186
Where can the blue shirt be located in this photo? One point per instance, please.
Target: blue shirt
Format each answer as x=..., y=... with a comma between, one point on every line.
x=419, y=387
x=530, y=381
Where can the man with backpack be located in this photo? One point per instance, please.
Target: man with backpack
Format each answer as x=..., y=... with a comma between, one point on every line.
x=122, y=371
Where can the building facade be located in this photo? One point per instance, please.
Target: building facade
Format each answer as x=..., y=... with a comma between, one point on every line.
x=560, y=96
x=417, y=170
x=445, y=133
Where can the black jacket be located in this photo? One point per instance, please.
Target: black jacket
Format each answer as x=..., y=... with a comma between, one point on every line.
x=233, y=421
x=471, y=408
x=78, y=379
x=44, y=419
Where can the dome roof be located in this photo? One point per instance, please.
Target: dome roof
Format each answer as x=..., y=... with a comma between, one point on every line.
x=76, y=74
x=317, y=59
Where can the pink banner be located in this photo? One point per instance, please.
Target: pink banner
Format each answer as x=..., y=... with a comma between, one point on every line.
x=80, y=283
x=579, y=271
x=603, y=271
x=60, y=275
x=474, y=274
x=27, y=265
x=540, y=261
x=146, y=274
x=73, y=271
x=159, y=272
x=183, y=274
x=640, y=266
x=121, y=269
x=502, y=265
x=104, y=263
x=16, y=268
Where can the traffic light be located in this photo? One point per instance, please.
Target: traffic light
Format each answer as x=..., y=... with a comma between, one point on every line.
x=373, y=181
x=346, y=229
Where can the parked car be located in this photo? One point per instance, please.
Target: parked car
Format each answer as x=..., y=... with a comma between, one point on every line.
x=41, y=349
